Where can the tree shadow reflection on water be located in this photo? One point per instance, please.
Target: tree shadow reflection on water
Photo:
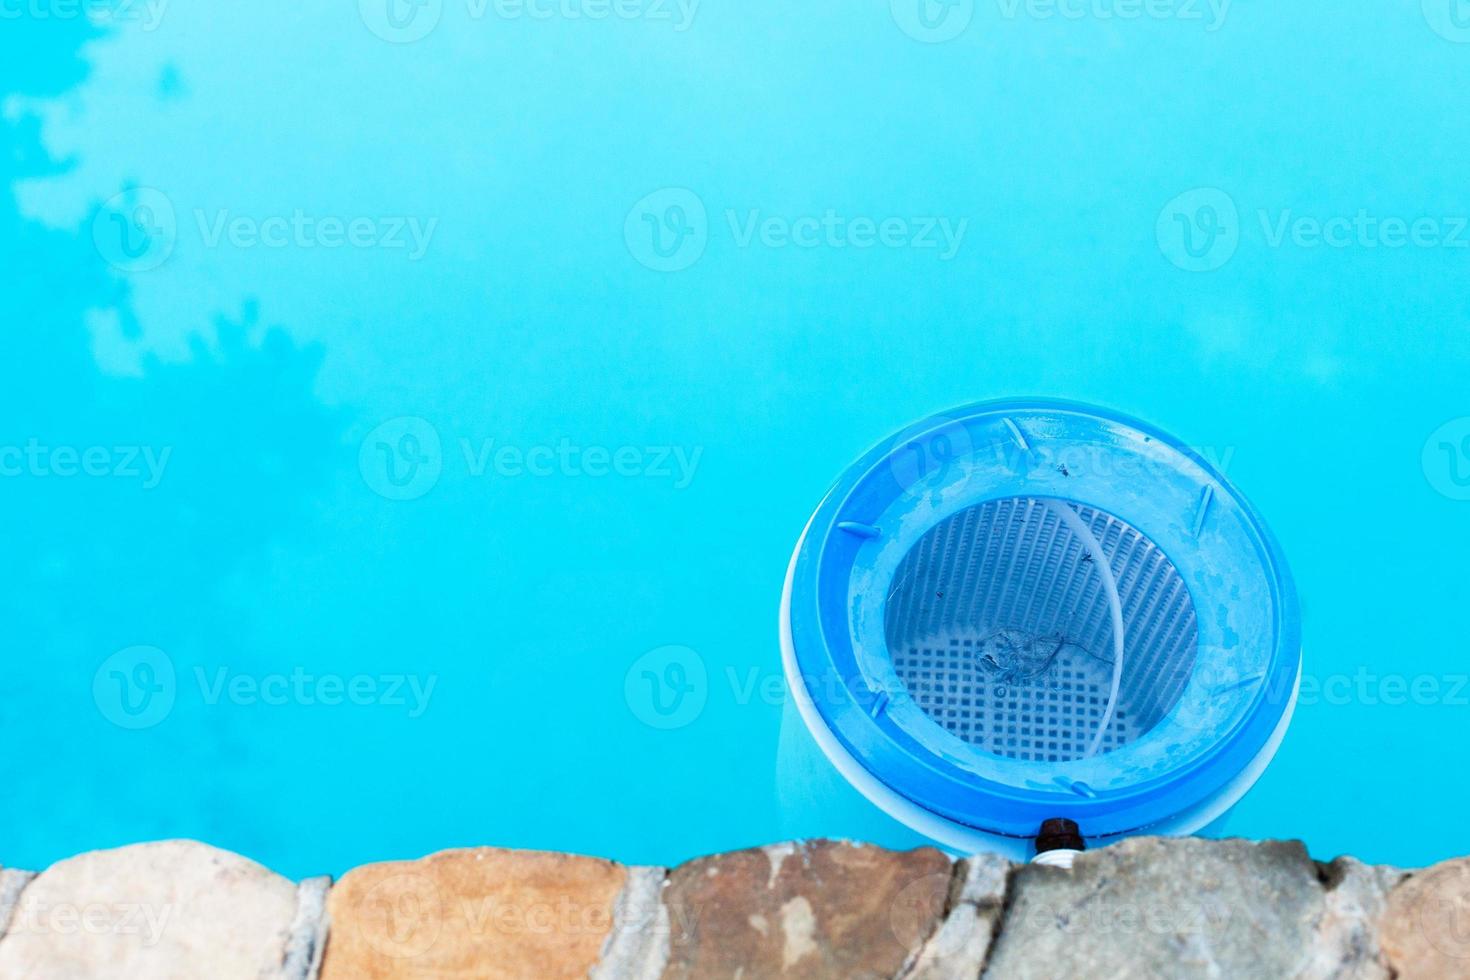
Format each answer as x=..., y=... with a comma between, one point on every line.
x=127, y=507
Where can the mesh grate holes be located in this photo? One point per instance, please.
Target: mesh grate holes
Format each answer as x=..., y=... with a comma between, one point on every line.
x=998, y=625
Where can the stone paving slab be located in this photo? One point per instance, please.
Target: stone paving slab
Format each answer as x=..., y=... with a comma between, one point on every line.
x=1146, y=907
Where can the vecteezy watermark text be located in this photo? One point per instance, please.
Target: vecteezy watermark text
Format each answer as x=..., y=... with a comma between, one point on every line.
x=40, y=461
x=139, y=228
x=137, y=688
x=403, y=915
x=1210, y=13
x=567, y=458
x=677, y=13
x=147, y=14
x=833, y=230
x=1363, y=230
x=1367, y=687
x=1202, y=229
x=301, y=687
x=669, y=687
x=403, y=458
x=302, y=230
x=141, y=919
x=936, y=21
x=407, y=21
x=669, y=230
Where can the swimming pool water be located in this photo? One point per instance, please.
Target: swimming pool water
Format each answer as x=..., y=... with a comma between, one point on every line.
x=405, y=421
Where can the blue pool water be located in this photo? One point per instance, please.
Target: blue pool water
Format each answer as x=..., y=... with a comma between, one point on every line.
x=406, y=420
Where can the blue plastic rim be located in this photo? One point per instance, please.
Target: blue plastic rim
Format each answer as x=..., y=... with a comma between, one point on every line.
x=1207, y=736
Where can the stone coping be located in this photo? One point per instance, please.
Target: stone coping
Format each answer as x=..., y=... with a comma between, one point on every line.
x=1145, y=907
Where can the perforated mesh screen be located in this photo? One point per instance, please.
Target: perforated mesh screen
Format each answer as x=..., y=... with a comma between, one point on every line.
x=998, y=623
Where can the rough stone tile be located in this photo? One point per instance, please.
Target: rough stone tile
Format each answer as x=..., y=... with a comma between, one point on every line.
x=174, y=909
x=1346, y=944
x=1426, y=928
x=957, y=950
x=480, y=913
x=819, y=909
x=1151, y=907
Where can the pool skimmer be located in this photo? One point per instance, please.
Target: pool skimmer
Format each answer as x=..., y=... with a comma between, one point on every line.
x=1029, y=611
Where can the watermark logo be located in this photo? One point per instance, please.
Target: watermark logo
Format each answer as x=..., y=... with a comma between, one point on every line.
x=135, y=688
x=932, y=21
x=1446, y=459
x=926, y=456
x=1442, y=908
x=667, y=231
x=401, y=21
x=913, y=912
x=135, y=230
x=401, y=459
x=1450, y=19
x=667, y=688
x=402, y=915
x=1226, y=691
x=1199, y=230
